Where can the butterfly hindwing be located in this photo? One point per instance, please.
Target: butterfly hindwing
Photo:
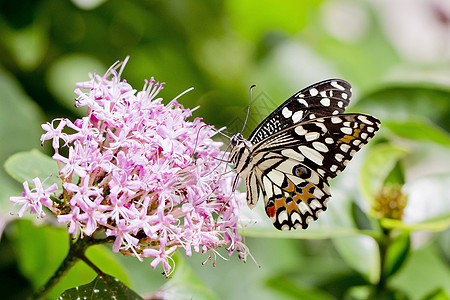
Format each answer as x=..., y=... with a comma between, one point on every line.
x=293, y=194
x=329, y=97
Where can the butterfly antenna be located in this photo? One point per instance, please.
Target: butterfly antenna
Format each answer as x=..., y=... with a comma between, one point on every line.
x=220, y=132
x=248, y=109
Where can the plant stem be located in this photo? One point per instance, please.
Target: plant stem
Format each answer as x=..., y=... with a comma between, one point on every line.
x=383, y=244
x=76, y=252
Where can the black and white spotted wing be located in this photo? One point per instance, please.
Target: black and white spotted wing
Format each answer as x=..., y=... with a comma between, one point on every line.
x=329, y=97
x=291, y=166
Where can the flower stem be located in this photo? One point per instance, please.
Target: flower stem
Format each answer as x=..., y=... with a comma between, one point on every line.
x=76, y=252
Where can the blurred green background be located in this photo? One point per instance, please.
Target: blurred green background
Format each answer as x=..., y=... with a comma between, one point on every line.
x=396, y=54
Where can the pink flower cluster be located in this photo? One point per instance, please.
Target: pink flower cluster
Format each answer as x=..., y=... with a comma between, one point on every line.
x=142, y=172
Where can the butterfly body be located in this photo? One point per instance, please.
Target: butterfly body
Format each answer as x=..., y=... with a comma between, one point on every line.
x=290, y=157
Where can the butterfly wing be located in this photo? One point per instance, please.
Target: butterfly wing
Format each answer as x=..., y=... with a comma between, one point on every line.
x=293, y=166
x=329, y=97
x=293, y=194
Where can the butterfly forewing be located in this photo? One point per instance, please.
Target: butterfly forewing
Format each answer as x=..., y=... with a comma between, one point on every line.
x=326, y=144
x=329, y=97
x=292, y=154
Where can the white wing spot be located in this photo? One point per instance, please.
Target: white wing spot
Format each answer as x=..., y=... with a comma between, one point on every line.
x=344, y=96
x=345, y=147
x=322, y=127
x=267, y=184
x=293, y=154
x=321, y=172
x=346, y=130
x=311, y=136
x=339, y=157
x=299, y=95
x=325, y=101
x=315, y=204
x=312, y=116
x=276, y=177
x=300, y=131
x=295, y=217
x=340, y=104
x=356, y=142
x=320, y=146
x=308, y=219
x=370, y=129
x=364, y=119
x=335, y=112
x=313, y=92
x=337, y=85
x=303, y=207
x=352, y=152
x=323, y=94
x=297, y=116
x=311, y=154
x=303, y=101
x=364, y=135
x=333, y=168
x=336, y=120
x=287, y=113
x=329, y=140
x=282, y=216
x=318, y=193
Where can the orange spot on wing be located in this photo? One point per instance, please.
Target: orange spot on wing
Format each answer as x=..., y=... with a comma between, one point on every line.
x=305, y=196
x=348, y=138
x=291, y=206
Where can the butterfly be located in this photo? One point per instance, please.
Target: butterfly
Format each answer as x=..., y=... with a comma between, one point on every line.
x=293, y=153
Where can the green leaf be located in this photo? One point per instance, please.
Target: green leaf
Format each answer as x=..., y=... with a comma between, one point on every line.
x=288, y=15
x=435, y=224
x=25, y=166
x=419, y=130
x=65, y=72
x=20, y=120
x=378, y=163
x=361, y=253
x=284, y=285
x=40, y=250
x=400, y=102
x=424, y=272
x=317, y=233
x=185, y=284
x=102, y=287
x=438, y=294
x=396, y=254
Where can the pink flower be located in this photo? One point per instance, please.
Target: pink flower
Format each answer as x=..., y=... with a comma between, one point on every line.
x=142, y=172
x=35, y=198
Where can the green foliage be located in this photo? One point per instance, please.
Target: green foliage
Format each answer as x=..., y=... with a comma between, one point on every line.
x=185, y=284
x=221, y=48
x=284, y=285
x=42, y=249
x=102, y=287
x=396, y=254
x=25, y=166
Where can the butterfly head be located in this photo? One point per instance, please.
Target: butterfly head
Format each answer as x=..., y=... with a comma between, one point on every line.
x=240, y=151
x=236, y=139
